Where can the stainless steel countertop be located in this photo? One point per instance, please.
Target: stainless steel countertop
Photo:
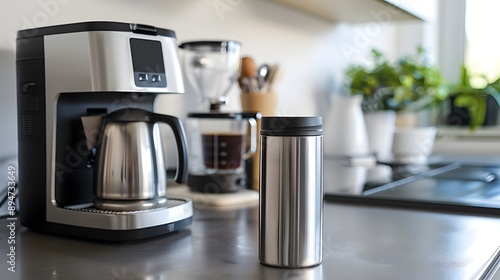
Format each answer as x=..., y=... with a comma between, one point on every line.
x=359, y=243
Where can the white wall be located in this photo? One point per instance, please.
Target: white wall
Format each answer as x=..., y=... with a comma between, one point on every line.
x=313, y=53
x=452, y=37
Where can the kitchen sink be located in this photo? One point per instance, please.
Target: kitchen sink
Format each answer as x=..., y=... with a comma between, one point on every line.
x=451, y=187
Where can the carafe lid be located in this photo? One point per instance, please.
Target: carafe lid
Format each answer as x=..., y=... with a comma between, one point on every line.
x=292, y=126
x=210, y=46
x=235, y=116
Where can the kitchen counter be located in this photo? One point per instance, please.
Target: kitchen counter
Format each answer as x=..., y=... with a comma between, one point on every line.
x=360, y=242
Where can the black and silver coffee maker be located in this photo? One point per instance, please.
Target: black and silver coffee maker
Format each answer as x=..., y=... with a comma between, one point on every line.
x=114, y=188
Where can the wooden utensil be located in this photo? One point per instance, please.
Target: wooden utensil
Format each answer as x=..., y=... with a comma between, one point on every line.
x=248, y=69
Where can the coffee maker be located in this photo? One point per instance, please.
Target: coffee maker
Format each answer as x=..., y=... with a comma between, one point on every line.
x=220, y=142
x=113, y=71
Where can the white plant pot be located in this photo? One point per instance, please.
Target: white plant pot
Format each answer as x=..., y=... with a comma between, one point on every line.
x=380, y=130
x=344, y=130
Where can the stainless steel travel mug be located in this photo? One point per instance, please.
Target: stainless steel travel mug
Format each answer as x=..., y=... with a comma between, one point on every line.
x=291, y=191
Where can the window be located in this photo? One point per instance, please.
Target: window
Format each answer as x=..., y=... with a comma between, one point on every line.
x=482, y=39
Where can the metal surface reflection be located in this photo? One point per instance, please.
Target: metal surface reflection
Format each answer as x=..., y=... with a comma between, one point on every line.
x=342, y=178
x=147, y=259
x=310, y=273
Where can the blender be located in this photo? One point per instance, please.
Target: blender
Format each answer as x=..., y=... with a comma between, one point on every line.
x=219, y=142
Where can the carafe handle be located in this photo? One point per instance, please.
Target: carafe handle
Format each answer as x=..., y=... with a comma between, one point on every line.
x=180, y=138
x=253, y=139
x=132, y=114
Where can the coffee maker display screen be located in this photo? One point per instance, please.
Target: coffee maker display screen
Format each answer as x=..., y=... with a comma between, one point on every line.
x=148, y=64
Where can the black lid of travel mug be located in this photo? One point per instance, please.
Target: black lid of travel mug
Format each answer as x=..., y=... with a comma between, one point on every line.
x=291, y=126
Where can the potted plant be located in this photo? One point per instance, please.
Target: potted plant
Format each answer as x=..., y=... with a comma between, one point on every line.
x=409, y=84
x=474, y=106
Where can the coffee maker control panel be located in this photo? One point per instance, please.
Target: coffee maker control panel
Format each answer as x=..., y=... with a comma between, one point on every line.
x=147, y=62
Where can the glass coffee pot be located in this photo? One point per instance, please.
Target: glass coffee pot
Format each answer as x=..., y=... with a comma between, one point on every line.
x=219, y=145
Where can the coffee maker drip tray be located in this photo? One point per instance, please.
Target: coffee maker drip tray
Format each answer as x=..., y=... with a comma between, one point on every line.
x=174, y=214
x=130, y=205
x=102, y=206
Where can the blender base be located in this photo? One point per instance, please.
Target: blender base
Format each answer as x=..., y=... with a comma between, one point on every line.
x=217, y=182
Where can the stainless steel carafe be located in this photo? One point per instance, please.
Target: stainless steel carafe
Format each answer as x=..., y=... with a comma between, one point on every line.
x=130, y=168
x=291, y=192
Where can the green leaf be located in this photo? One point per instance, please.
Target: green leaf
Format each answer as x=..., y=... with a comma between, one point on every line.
x=475, y=105
x=399, y=94
x=477, y=113
x=464, y=78
x=465, y=101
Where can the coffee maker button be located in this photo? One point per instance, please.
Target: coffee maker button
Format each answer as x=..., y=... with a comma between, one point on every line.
x=155, y=78
x=143, y=77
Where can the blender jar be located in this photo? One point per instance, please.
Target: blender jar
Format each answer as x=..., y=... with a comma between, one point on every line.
x=211, y=67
